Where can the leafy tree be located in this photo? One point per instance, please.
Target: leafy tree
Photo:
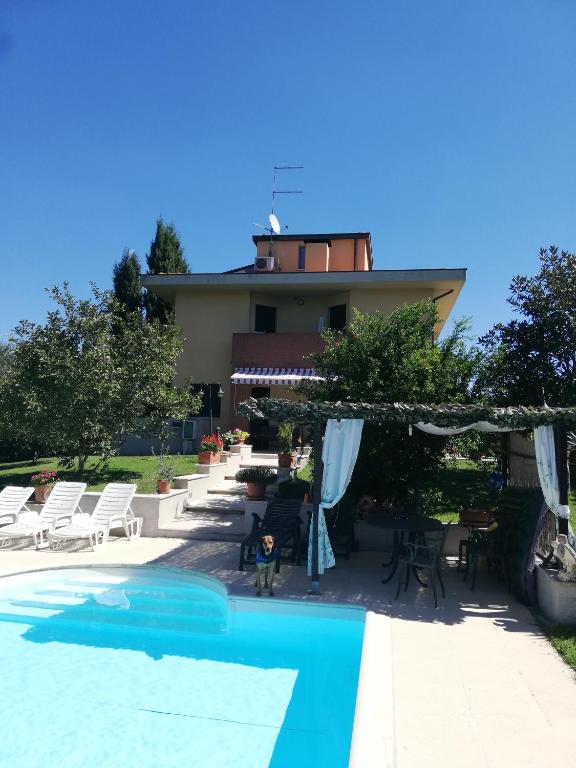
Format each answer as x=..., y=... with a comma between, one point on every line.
x=91, y=374
x=126, y=281
x=166, y=256
x=385, y=359
x=535, y=353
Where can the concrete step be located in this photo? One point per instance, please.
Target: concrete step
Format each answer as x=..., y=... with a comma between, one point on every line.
x=229, y=487
x=205, y=526
x=220, y=503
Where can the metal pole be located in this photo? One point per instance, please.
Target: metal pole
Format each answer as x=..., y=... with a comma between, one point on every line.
x=317, y=495
x=210, y=405
x=561, y=446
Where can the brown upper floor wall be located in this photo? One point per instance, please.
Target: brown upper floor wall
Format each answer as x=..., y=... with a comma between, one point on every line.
x=351, y=252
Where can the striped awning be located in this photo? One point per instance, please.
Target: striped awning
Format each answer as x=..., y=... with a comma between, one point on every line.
x=278, y=376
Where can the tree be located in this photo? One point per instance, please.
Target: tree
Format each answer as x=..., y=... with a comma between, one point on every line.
x=385, y=359
x=126, y=281
x=536, y=353
x=91, y=374
x=166, y=256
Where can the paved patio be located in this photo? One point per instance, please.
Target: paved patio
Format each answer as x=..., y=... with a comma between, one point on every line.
x=476, y=682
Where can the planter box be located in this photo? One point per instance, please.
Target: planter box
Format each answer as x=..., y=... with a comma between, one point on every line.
x=242, y=450
x=556, y=599
x=207, y=457
x=156, y=510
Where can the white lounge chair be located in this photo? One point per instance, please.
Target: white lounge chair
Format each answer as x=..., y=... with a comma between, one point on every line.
x=58, y=510
x=112, y=510
x=13, y=500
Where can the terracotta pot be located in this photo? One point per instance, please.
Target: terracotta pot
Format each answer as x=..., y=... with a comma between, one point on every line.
x=241, y=441
x=207, y=457
x=223, y=457
x=163, y=486
x=256, y=491
x=285, y=460
x=41, y=493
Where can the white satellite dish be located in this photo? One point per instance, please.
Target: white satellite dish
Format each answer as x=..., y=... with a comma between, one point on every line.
x=274, y=224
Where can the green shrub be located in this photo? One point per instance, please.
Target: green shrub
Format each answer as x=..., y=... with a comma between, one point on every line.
x=263, y=475
x=285, y=430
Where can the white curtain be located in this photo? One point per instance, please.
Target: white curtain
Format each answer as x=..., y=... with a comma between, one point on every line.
x=547, y=472
x=339, y=452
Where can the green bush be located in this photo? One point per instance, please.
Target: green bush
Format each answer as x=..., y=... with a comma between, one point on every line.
x=263, y=475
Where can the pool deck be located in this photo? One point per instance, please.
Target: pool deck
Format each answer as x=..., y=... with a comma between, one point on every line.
x=476, y=682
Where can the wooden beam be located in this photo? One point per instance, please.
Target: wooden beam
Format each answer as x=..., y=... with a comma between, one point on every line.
x=316, y=497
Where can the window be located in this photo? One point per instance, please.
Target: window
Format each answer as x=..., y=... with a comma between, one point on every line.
x=210, y=400
x=338, y=317
x=301, y=257
x=265, y=319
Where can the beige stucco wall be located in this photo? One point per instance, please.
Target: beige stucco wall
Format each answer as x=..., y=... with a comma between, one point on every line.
x=292, y=317
x=208, y=320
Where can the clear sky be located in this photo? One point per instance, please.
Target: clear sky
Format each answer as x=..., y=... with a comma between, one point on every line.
x=446, y=128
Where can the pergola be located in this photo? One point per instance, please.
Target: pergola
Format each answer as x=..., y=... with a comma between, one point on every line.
x=424, y=416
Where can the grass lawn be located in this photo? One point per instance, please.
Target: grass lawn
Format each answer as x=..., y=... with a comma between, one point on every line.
x=564, y=640
x=121, y=469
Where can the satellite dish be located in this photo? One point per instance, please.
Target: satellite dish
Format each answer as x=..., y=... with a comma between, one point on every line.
x=274, y=224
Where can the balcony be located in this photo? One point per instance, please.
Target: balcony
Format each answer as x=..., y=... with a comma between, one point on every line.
x=274, y=350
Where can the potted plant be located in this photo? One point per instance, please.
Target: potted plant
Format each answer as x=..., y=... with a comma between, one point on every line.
x=256, y=479
x=210, y=447
x=43, y=483
x=285, y=430
x=165, y=472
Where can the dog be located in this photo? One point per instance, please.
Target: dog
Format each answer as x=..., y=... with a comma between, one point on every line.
x=266, y=556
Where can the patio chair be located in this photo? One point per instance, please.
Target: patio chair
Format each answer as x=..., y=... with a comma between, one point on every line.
x=340, y=527
x=493, y=546
x=58, y=510
x=13, y=500
x=424, y=556
x=281, y=520
x=112, y=510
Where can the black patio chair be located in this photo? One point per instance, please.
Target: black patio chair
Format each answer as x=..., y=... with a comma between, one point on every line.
x=426, y=555
x=281, y=520
x=493, y=546
x=340, y=527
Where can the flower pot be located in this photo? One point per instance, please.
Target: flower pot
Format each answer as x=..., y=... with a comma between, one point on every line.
x=207, y=457
x=256, y=491
x=240, y=441
x=162, y=486
x=41, y=493
x=285, y=460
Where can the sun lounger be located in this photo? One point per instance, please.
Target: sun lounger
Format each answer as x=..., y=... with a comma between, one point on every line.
x=13, y=500
x=111, y=511
x=58, y=510
x=281, y=520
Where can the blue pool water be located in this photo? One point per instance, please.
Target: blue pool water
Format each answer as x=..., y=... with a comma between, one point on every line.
x=142, y=667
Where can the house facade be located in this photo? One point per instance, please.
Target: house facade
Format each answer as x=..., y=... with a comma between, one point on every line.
x=250, y=331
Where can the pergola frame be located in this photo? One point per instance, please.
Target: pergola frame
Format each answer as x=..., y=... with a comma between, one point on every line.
x=510, y=418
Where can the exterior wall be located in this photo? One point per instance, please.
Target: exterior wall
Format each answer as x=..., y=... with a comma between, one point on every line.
x=208, y=321
x=338, y=257
x=293, y=316
x=369, y=301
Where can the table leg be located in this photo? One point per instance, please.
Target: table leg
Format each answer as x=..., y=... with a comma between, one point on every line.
x=393, y=559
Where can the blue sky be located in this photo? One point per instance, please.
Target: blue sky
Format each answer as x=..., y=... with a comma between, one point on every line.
x=445, y=128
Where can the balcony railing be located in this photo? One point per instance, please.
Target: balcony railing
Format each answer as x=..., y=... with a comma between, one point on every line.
x=274, y=350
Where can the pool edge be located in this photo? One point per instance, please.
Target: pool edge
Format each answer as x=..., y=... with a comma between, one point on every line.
x=373, y=743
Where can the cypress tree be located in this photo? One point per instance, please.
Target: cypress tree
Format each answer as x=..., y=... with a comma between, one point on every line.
x=127, y=289
x=166, y=256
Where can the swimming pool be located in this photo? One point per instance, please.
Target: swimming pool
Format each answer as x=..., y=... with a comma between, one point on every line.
x=145, y=666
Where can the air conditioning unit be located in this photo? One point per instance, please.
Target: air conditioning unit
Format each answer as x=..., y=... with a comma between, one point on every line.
x=264, y=264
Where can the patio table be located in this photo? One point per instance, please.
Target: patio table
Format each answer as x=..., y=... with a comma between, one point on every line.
x=402, y=527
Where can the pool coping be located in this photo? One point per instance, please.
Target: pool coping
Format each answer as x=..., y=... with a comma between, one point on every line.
x=373, y=728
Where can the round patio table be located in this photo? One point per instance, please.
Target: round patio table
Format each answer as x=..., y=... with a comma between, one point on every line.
x=401, y=528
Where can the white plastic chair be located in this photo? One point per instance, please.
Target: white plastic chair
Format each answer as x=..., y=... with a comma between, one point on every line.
x=13, y=500
x=58, y=510
x=111, y=511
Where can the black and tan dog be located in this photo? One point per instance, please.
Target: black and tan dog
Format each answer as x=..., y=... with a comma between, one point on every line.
x=266, y=555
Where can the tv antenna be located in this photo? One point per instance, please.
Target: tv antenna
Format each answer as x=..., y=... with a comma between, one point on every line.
x=274, y=227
